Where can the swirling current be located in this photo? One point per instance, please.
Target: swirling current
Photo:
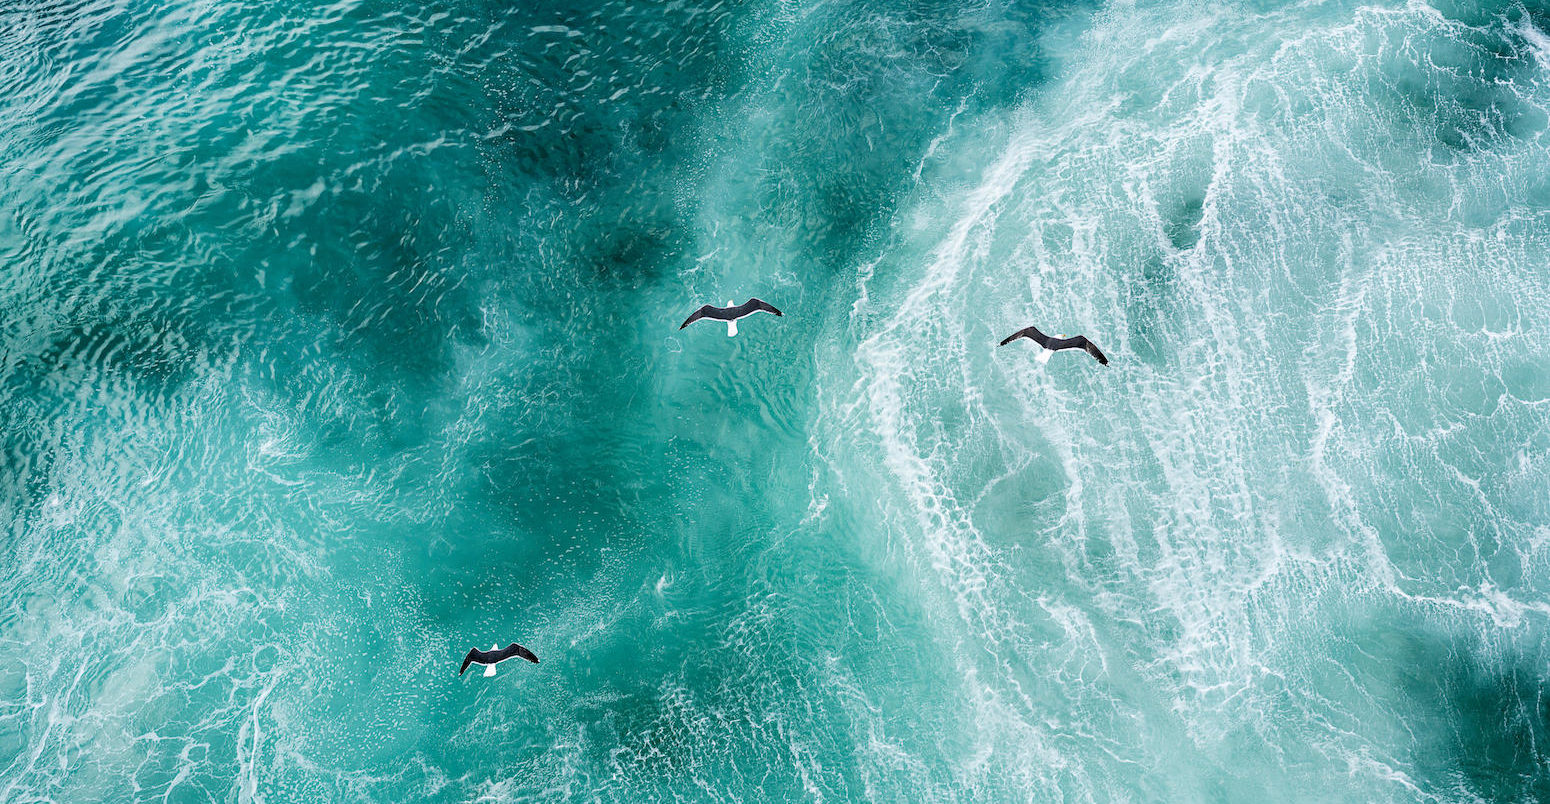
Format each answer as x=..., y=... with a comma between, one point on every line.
x=338, y=338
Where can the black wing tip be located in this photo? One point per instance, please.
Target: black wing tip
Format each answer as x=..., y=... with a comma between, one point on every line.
x=1025, y=332
x=1097, y=354
x=696, y=315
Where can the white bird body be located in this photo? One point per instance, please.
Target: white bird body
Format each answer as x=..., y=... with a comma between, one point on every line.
x=732, y=324
x=489, y=669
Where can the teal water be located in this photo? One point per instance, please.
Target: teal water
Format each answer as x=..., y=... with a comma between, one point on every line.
x=336, y=339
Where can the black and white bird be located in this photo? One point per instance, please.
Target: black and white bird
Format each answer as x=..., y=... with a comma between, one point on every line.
x=495, y=655
x=1053, y=345
x=730, y=313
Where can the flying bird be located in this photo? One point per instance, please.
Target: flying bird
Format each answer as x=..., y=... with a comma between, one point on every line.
x=495, y=655
x=730, y=313
x=1052, y=345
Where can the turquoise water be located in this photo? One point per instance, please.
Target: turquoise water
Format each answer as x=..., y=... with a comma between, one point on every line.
x=336, y=339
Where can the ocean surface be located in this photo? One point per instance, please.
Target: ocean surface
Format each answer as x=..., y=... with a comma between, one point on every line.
x=337, y=338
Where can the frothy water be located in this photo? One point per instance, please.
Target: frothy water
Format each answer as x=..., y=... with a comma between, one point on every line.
x=339, y=339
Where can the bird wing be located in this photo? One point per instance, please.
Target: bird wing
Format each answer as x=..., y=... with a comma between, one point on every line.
x=1031, y=333
x=699, y=314
x=513, y=650
x=759, y=304
x=1092, y=349
x=493, y=656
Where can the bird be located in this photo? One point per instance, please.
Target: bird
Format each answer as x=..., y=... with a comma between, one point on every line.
x=1052, y=345
x=730, y=313
x=495, y=655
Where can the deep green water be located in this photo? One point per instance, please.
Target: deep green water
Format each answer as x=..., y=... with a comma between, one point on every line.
x=336, y=339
